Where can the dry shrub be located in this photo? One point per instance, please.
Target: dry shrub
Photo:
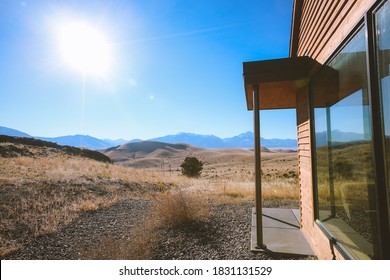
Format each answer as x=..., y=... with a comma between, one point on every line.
x=178, y=207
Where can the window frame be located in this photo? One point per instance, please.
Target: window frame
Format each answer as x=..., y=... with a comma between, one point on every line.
x=383, y=202
x=382, y=196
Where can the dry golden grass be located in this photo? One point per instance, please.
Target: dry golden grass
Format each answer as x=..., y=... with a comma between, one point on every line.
x=350, y=176
x=35, y=210
x=228, y=174
x=65, y=168
x=42, y=195
x=236, y=190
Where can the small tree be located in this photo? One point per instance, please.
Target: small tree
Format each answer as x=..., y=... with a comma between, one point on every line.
x=191, y=167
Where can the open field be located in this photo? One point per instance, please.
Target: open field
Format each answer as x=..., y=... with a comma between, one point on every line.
x=44, y=191
x=229, y=172
x=228, y=164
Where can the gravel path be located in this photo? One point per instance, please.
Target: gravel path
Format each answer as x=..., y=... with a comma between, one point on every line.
x=226, y=235
x=87, y=234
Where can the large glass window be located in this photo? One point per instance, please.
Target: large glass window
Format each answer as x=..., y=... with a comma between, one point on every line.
x=383, y=45
x=345, y=175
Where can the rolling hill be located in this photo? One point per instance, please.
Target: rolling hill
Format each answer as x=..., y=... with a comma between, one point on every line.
x=154, y=154
x=147, y=154
x=11, y=146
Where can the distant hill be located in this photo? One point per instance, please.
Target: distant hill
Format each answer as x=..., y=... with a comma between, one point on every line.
x=116, y=142
x=153, y=154
x=11, y=146
x=338, y=136
x=244, y=140
x=279, y=143
x=81, y=141
x=147, y=149
x=198, y=140
x=12, y=132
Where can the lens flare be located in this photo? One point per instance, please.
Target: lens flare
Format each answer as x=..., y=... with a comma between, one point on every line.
x=84, y=48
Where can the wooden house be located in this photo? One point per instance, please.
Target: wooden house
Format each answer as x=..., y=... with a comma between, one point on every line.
x=337, y=79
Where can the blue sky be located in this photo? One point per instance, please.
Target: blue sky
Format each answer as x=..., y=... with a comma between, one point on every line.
x=174, y=66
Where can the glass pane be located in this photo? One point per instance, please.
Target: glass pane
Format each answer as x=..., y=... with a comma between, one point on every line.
x=344, y=158
x=383, y=33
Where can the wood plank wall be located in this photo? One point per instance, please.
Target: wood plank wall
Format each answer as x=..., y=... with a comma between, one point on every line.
x=325, y=24
x=319, y=27
x=304, y=159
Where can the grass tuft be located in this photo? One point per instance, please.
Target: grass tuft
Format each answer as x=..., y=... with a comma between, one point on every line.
x=178, y=207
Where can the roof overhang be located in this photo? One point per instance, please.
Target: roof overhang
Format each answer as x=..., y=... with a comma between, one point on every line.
x=279, y=80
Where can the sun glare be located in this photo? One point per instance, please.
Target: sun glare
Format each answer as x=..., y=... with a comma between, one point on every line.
x=84, y=48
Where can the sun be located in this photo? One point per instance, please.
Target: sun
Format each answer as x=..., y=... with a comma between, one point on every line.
x=84, y=48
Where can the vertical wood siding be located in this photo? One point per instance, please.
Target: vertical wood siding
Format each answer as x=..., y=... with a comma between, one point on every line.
x=324, y=25
x=304, y=159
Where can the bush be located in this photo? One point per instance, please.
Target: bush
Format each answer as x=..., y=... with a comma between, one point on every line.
x=175, y=209
x=191, y=167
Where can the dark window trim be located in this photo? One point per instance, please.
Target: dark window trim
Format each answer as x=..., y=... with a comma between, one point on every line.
x=382, y=200
x=332, y=240
x=313, y=144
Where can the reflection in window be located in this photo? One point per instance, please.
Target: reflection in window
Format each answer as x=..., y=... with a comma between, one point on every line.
x=383, y=33
x=344, y=163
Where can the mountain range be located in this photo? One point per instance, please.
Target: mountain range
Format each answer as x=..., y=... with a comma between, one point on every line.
x=244, y=140
x=338, y=137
